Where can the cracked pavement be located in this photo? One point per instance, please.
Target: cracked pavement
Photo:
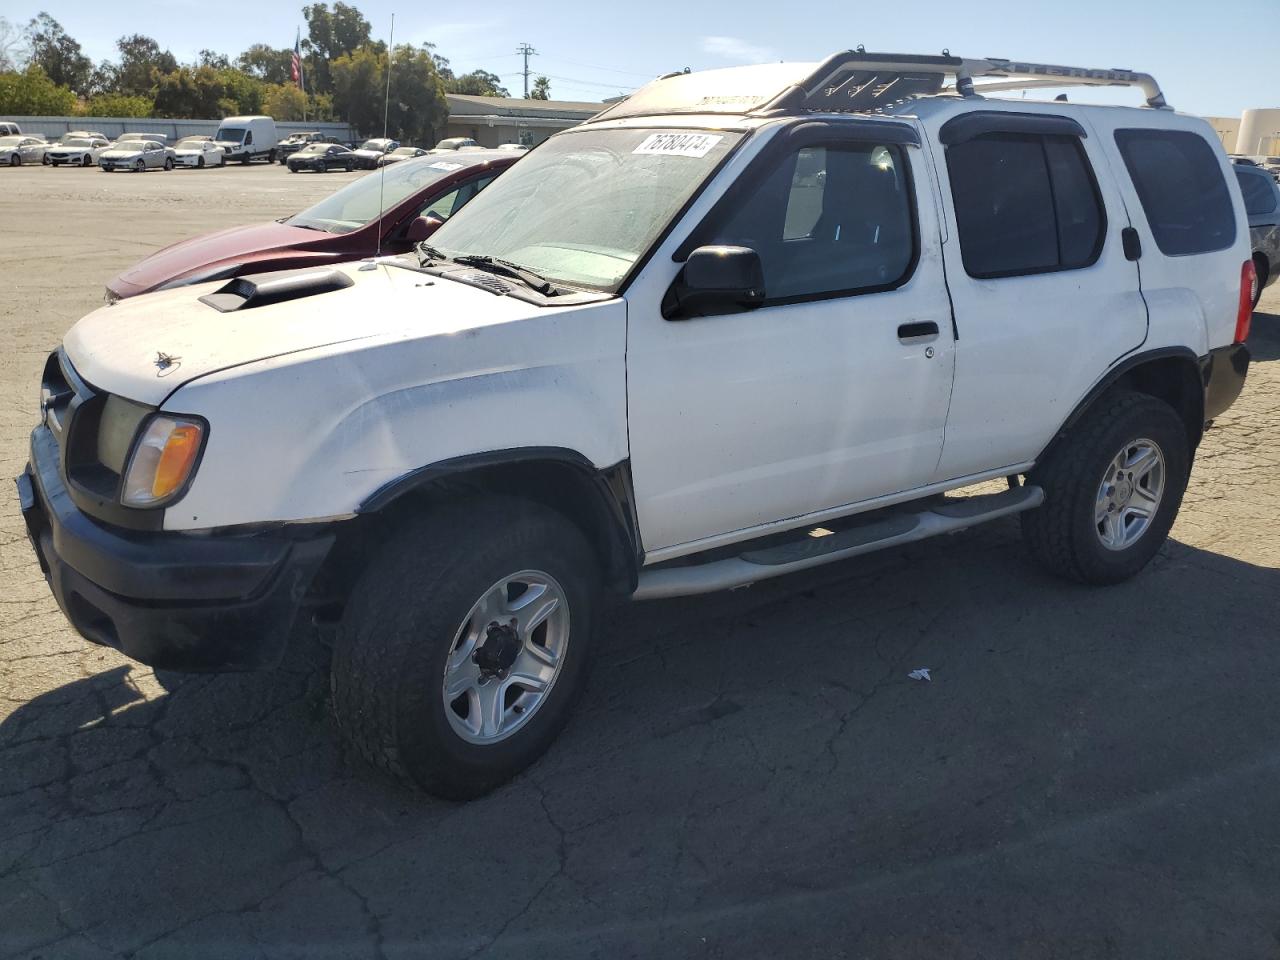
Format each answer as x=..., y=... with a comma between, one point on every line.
x=1090, y=773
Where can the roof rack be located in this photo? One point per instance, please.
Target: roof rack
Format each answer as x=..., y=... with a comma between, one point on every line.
x=858, y=81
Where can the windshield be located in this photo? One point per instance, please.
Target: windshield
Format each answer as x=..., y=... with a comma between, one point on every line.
x=585, y=205
x=130, y=145
x=77, y=142
x=10, y=141
x=234, y=134
x=192, y=143
x=314, y=148
x=374, y=145
x=358, y=203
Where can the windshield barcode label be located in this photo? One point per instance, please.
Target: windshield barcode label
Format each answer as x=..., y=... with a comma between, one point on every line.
x=679, y=144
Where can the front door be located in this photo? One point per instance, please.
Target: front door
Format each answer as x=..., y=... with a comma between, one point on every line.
x=835, y=390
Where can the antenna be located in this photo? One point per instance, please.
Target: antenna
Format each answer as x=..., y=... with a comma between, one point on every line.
x=386, y=107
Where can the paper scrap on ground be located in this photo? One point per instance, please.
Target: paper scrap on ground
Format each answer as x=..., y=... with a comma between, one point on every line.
x=920, y=673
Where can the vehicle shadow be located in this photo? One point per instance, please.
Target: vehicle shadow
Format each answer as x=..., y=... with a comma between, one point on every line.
x=1264, y=336
x=749, y=773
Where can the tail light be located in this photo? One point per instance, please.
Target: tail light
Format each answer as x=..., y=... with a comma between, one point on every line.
x=1244, y=315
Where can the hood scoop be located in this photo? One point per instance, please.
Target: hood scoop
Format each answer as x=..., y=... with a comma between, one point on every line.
x=245, y=293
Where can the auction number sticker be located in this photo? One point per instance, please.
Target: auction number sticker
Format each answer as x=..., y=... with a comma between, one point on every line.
x=679, y=144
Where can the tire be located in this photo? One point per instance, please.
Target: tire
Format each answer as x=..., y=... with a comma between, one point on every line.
x=1259, y=278
x=199, y=163
x=86, y=161
x=140, y=166
x=15, y=160
x=414, y=602
x=244, y=158
x=348, y=168
x=44, y=159
x=1064, y=534
x=168, y=163
x=271, y=156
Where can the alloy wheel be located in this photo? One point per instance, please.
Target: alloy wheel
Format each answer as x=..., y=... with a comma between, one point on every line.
x=1129, y=494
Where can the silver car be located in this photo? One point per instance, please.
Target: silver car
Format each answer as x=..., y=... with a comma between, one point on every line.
x=136, y=155
x=17, y=150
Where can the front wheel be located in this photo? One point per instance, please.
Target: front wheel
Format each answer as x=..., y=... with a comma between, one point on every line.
x=86, y=161
x=140, y=166
x=199, y=163
x=1112, y=490
x=15, y=160
x=465, y=644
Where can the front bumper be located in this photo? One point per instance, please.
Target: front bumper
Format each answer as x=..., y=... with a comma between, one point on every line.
x=117, y=164
x=175, y=601
x=1223, y=372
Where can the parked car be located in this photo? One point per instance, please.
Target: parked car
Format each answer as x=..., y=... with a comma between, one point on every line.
x=343, y=226
x=17, y=149
x=454, y=143
x=658, y=357
x=198, y=152
x=136, y=155
x=9, y=129
x=1262, y=206
x=322, y=157
x=144, y=135
x=83, y=135
x=296, y=141
x=401, y=153
x=518, y=147
x=248, y=138
x=371, y=151
x=77, y=151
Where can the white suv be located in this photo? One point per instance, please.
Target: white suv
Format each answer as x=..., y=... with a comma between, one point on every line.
x=742, y=323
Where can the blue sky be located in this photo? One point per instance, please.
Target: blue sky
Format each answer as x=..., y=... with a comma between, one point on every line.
x=1210, y=58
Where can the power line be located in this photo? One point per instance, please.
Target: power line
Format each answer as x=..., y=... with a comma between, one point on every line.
x=526, y=51
x=591, y=66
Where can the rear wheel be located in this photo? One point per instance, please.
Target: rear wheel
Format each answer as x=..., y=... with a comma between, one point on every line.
x=168, y=163
x=244, y=158
x=1112, y=490
x=15, y=160
x=465, y=644
x=45, y=160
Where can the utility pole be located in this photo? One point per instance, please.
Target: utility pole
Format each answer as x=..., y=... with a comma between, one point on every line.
x=526, y=51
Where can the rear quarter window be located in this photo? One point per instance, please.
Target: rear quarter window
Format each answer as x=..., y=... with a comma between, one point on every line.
x=1180, y=185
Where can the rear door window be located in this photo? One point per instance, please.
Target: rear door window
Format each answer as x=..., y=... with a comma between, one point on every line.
x=1025, y=204
x=1259, y=192
x=1183, y=193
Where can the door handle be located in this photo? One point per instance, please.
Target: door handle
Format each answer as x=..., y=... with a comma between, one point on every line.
x=917, y=331
x=1131, y=243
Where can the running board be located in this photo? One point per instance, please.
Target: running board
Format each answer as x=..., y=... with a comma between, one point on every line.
x=897, y=527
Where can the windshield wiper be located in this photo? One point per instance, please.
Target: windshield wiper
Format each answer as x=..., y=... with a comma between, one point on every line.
x=506, y=268
x=429, y=254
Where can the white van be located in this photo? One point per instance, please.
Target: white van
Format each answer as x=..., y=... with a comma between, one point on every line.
x=248, y=138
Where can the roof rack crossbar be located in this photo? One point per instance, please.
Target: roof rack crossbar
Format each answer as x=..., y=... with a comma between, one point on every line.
x=905, y=75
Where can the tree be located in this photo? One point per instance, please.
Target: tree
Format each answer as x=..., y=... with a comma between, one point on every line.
x=57, y=54
x=206, y=92
x=268, y=64
x=209, y=58
x=15, y=49
x=332, y=34
x=32, y=93
x=140, y=60
x=541, y=89
x=118, y=105
x=417, y=107
x=478, y=83
x=285, y=101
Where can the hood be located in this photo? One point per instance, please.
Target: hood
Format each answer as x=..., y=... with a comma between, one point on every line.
x=368, y=153
x=116, y=348
x=120, y=154
x=188, y=256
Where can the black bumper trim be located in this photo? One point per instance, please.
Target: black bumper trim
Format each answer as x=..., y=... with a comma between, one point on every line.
x=1223, y=372
x=171, y=600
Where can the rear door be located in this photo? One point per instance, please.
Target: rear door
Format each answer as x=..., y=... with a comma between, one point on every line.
x=1045, y=299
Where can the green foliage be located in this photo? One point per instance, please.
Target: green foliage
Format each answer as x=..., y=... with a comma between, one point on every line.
x=541, y=89
x=141, y=59
x=268, y=64
x=478, y=83
x=284, y=101
x=332, y=34
x=32, y=93
x=57, y=54
x=117, y=105
x=417, y=106
x=206, y=92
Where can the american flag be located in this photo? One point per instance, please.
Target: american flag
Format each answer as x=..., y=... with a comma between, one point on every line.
x=295, y=68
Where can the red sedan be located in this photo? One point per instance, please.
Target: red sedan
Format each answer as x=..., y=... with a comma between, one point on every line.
x=344, y=226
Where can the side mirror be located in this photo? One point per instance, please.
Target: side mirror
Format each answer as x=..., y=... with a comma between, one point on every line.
x=423, y=227
x=716, y=279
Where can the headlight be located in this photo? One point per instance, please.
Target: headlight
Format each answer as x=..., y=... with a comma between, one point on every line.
x=163, y=459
